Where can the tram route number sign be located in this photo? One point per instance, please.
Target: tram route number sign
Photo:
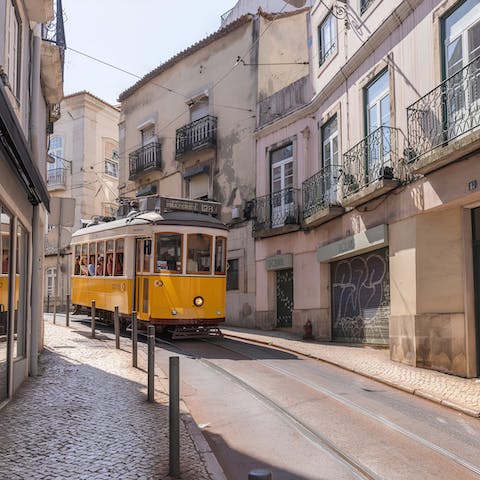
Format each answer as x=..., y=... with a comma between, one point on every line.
x=189, y=205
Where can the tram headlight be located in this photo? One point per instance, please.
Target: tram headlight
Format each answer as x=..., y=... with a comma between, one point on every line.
x=198, y=301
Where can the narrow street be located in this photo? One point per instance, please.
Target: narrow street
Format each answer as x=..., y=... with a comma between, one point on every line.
x=303, y=419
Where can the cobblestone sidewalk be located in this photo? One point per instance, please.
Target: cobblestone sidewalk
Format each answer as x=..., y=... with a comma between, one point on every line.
x=455, y=392
x=86, y=417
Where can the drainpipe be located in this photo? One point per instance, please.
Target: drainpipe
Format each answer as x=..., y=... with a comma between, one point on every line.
x=36, y=321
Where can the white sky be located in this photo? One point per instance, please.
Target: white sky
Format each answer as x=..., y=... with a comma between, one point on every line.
x=135, y=35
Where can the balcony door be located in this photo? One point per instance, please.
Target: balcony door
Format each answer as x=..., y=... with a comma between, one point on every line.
x=329, y=179
x=377, y=96
x=282, y=202
x=462, y=67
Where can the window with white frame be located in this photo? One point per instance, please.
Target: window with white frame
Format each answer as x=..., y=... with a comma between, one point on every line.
x=327, y=38
x=111, y=159
x=50, y=280
x=330, y=166
x=55, y=150
x=12, y=47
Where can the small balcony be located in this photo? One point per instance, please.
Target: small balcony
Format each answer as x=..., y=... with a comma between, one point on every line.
x=57, y=179
x=53, y=56
x=276, y=213
x=321, y=196
x=443, y=124
x=145, y=159
x=198, y=135
x=372, y=167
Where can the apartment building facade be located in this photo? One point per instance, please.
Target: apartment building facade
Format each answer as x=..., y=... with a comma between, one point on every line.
x=83, y=165
x=369, y=222
x=187, y=127
x=32, y=44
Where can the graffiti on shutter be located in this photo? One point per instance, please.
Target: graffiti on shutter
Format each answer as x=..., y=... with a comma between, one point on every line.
x=361, y=298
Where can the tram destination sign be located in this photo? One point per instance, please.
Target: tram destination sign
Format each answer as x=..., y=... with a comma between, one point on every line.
x=168, y=204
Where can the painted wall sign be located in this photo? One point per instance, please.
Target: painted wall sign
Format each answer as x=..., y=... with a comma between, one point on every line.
x=370, y=239
x=279, y=262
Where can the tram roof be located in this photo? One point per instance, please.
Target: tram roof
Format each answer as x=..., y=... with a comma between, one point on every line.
x=154, y=218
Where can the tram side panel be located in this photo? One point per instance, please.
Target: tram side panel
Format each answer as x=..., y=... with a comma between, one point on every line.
x=107, y=292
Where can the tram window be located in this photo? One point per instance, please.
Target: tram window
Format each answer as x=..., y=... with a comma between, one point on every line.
x=199, y=251
x=220, y=252
x=168, y=252
x=109, y=258
x=119, y=245
x=76, y=266
x=84, y=260
x=100, y=259
x=147, y=251
x=92, y=261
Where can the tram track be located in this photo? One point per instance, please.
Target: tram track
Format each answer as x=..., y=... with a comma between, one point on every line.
x=366, y=412
x=355, y=466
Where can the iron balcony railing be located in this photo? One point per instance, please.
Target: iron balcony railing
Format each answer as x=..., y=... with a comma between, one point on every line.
x=54, y=31
x=321, y=190
x=276, y=210
x=57, y=177
x=372, y=159
x=447, y=112
x=145, y=158
x=195, y=135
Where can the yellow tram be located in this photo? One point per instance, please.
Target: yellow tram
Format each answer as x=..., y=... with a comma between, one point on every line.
x=167, y=263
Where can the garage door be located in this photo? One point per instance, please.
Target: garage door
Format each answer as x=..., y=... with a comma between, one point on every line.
x=361, y=298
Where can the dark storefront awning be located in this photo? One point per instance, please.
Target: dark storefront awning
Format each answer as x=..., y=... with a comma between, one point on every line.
x=17, y=152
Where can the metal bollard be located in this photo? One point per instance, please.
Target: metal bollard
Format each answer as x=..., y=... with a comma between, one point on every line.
x=151, y=363
x=174, y=417
x=134, y=339
x=93, y=318
x=116, y=326
x=260, y=474
x=67, y=313
x=48, y=303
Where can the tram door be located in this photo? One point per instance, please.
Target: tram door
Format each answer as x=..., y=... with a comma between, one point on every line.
x=143, y=256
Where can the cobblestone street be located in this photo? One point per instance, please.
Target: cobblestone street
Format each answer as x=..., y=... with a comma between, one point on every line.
x=86, y=417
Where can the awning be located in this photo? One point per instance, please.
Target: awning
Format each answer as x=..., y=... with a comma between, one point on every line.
x=17, y=152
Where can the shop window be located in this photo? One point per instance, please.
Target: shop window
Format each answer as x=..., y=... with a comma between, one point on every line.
x=199, y=253
x=168, y=252
x=21, y=288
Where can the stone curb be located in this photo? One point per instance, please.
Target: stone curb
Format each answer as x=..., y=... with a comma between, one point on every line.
x=472, y=412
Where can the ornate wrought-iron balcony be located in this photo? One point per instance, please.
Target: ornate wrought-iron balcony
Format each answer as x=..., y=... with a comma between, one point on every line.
x=372, y=167
x=449, y=111
x=146, y=158
x=57, y=179
x=276, y=213
x=321, y=196
x=201, y=133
